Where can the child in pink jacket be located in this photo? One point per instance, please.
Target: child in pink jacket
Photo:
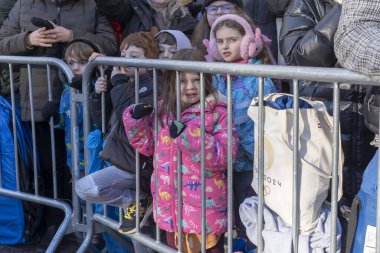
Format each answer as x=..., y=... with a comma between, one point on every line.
x=185, y=136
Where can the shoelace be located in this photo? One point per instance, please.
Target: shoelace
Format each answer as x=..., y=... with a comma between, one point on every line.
x=130, y=211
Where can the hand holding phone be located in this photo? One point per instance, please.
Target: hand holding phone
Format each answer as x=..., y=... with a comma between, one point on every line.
x=40, y=22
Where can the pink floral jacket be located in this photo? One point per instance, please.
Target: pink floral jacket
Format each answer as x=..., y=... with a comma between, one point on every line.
x=141, y=136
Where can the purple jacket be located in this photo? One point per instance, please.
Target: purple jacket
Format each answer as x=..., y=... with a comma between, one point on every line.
x=140, y=134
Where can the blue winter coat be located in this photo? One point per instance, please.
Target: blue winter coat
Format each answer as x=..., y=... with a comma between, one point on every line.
x=244, y=89
x=64, y=123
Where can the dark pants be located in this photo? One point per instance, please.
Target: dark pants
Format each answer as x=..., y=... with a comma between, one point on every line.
x=52, y=216
x=44, y=152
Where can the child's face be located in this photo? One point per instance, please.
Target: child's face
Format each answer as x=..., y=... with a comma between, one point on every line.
x=229, y=41
x=133, y=52
x=190, y=88
x=167, y=51
x=77, y=66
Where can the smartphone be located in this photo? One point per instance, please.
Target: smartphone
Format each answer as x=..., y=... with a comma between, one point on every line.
x=40, y=22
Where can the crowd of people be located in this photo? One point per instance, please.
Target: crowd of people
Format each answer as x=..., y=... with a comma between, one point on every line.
x=297, y=32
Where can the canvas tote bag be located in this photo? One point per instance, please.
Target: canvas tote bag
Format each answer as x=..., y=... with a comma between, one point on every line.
x=315, y=158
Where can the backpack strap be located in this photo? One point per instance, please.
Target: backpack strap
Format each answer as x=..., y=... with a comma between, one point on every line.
x=352, y=224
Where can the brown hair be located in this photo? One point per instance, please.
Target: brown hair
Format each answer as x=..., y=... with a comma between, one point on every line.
x=264, y=55
x=79, y=50
x=144, y=40
x=202, y=31
x=166, y=38
x=168, y=106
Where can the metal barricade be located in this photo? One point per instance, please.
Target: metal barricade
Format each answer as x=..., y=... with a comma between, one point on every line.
x=31, y=62
x=334, y=75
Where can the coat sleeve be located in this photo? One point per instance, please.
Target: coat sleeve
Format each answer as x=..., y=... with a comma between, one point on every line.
x=216, y=142
x=11, y=38
x=95, y=104
x=117, y=10
x=123, y=94
x=139, y=132
x=357, y=40
x=103, y=35
x=306, y=39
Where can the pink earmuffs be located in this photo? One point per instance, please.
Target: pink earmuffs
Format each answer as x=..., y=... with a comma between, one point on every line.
x=252, y=43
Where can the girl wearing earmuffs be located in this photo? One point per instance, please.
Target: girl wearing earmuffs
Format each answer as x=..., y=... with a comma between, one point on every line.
x=234, y=40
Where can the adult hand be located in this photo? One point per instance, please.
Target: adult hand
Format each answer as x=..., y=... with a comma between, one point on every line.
x=39, y=38
x=101, y=85
x=46, y=38
x=59, y=34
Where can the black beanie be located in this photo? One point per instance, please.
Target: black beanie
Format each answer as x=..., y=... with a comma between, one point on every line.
x=206, y=3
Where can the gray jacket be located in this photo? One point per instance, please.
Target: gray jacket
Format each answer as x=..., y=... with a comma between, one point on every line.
x=81, y=16
x=357, y=40
x=5, y=7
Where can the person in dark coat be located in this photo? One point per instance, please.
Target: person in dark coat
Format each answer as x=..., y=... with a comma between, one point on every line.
x=307, y=39
x=5, y=7
x=149, y=15
x=18, y=36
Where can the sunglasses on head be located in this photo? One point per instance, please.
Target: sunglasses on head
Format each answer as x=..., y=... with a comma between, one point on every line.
x=225, y=8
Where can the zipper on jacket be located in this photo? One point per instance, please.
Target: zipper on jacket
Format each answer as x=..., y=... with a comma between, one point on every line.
x=59, y=4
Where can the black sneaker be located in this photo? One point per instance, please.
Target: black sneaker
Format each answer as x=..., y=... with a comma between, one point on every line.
x=128, y=224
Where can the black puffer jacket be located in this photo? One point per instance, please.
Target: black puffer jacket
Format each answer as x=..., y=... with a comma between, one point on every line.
x=307, y=37
x=138, y=15
x=118, y=150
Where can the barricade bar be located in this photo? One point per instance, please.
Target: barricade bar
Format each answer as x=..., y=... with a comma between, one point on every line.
x=49, y=202
x=273, y=71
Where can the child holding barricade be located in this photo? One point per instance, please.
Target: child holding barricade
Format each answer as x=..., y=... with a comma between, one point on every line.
x=184, y=135
x=116, y=184
x=234, y=40
x=76, y=55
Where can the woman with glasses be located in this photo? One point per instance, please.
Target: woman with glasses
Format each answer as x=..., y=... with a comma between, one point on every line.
x=211, y=10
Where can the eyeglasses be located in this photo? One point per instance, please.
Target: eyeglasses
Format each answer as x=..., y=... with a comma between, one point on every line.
x=225, y=8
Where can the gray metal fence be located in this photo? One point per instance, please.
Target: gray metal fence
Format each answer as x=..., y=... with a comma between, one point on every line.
x=334, y=75
x=31, y=62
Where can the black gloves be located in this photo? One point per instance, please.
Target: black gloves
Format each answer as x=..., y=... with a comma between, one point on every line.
x=50, y=110
x=176, y=128
x=140, y=110
x=76, y=83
